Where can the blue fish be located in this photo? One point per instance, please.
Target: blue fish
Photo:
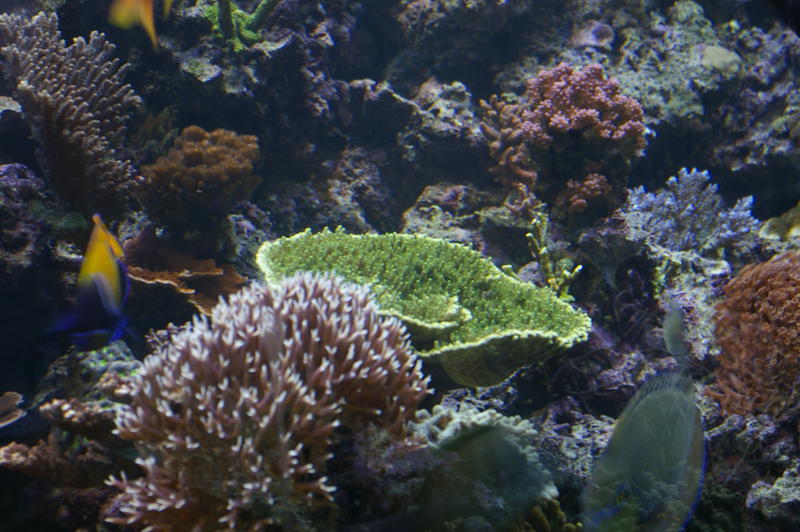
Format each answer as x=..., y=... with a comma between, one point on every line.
x=103, y=287
x=650, y=475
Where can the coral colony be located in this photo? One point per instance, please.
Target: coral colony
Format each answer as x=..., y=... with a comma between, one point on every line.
x=418, y=265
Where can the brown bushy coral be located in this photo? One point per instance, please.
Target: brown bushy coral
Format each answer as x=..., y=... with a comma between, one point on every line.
x=758, y=328
x=234, y=416
x=195, y=186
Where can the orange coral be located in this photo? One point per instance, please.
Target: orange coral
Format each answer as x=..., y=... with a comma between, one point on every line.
x=198, y=281
x=201, y=178
x=758, y=328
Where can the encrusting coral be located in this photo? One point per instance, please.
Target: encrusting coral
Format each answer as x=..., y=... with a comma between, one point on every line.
x=204, y=172
x=76, y=102
x=571, y=126
x=464, y=312
x=234, y=417
x=758, y=326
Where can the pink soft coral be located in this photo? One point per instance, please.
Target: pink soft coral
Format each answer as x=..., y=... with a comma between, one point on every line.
x=569, y=127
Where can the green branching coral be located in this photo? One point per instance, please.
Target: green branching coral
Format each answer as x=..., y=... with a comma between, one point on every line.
x=558, y=274
x=237, y=26
x=462, y=311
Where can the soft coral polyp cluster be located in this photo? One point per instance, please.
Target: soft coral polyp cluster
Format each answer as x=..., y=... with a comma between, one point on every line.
x=758, y=328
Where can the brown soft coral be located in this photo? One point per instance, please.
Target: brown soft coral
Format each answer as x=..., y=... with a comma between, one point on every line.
x=758, y=328
x=235, y=416
x=195, y=186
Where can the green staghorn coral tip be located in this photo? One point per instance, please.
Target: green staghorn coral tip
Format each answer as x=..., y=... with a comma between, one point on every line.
x=462, y=311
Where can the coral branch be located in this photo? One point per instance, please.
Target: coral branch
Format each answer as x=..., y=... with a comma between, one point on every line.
x=76, y=102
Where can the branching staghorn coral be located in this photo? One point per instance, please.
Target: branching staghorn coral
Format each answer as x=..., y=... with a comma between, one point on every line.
x=689, y=215
x=558, y=274
x=234, y=416
x=76, y=102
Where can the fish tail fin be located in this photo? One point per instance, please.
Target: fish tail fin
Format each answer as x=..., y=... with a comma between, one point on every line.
x=129, y=13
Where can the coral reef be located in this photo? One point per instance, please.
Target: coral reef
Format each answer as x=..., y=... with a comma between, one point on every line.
x=434, y=36
x=264, y=388
x=778, y=501
x=204, y=173
x=479, y=322
x=368, y=117
x=572, y=128
x=444, y=132
x=28, y=281
x=471, y=216
x=76, y=103
x=695, y=243
x=79, y=451
x=756, y=327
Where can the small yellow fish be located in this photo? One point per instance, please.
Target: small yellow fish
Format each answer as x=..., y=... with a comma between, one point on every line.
x=128, y=13
x=101, y=264
x=103, y=287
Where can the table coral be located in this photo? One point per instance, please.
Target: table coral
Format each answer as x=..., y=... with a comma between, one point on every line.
x=463, y=311
x=195, y=186
x=757, y=325
x=571, y=125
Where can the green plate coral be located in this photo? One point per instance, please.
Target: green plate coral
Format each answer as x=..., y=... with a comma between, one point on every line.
x=462, y=311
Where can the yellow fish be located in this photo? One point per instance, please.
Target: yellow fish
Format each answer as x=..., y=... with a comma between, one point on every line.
x=103, y=284
x=128, y=13
x=101, y=264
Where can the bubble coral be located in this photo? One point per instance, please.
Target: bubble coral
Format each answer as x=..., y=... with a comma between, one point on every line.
x=234, y=416
x=196, y=185
x=758, y=329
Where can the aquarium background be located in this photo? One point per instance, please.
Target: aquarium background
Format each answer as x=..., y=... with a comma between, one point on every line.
x=399, y=265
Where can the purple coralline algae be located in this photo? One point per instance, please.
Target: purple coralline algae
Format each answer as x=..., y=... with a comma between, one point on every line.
x=28, y=280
